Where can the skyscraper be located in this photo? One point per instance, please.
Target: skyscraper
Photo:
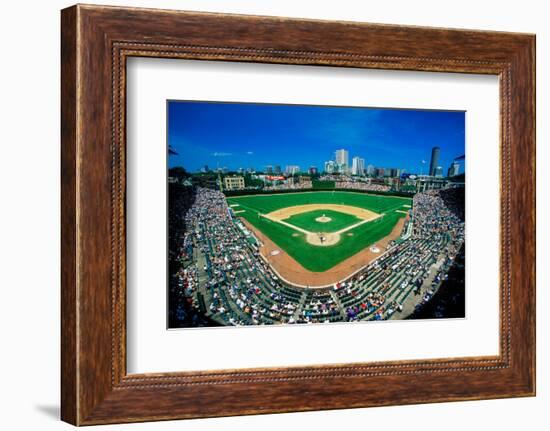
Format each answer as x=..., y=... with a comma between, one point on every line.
x=394, y=172
x=434, y=160
x=453, y=169
x=330, y=166
x=292, y=169
x=358, y=166
x=342, y=160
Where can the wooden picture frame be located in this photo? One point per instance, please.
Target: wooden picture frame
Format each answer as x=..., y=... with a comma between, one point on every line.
x=95, y=43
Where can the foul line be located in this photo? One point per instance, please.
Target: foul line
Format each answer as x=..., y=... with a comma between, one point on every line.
x=299, y=229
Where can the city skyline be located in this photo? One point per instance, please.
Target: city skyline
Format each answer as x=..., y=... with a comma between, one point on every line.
x=236, y=135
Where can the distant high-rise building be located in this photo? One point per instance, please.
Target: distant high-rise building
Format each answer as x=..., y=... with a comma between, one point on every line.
x=312, y=170
x=277, y=169
x=342, y=160
x=438, y=171
x=396, y=172
x=292, y=169
x=393, y=172
x=454, y=169
x=370, y=170
x=379, y=172
x=269, y=169
x=330, y=166
x=204, y=169
x=358, y=166
x=434, y=160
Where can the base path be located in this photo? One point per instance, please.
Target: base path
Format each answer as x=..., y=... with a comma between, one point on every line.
x=293, y=273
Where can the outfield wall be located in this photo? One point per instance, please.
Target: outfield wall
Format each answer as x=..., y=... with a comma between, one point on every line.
x=248, y=192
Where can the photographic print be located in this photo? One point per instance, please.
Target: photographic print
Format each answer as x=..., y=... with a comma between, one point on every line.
x=299, y=214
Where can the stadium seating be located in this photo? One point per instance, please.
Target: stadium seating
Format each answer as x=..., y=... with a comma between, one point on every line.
x=220, y=278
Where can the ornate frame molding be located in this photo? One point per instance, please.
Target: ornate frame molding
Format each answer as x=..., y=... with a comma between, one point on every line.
x=96, y=41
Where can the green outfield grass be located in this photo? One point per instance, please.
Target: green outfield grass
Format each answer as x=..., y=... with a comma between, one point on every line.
x=315, y=258
x=308, y=221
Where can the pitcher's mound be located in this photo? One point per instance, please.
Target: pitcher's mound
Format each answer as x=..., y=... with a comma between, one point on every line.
x=323, y=219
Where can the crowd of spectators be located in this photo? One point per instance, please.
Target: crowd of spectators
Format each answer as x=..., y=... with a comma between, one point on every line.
x=183, y=310
x=439, y=213
x=290, y=185
x=352, y=183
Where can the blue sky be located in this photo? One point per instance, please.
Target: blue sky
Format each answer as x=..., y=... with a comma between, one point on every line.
x=235, y=135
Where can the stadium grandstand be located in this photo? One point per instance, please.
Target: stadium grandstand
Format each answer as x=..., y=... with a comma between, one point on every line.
x=218, y=275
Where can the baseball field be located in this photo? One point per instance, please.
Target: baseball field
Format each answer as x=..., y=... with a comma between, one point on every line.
x=321, y=229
